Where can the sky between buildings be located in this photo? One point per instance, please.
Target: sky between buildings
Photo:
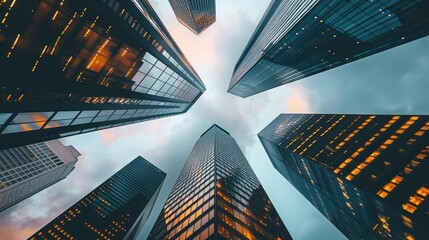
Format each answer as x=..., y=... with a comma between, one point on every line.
x=392, y=82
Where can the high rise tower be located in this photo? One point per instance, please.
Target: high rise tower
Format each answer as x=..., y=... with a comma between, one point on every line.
x=218, y=196
x=296, y=39
x=71, y=67
x=117, y=209
x=367, y=174
x=26, y=170
x=196, y=15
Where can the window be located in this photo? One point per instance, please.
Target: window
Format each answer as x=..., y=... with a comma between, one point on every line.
x=65, y=115
x=148, y=57
x=32, y=117
x=4, y=117
x=85, y=114
x=22, y=127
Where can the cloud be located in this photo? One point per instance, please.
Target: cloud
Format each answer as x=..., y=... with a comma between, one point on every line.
x=393, y=81
x=298, y=101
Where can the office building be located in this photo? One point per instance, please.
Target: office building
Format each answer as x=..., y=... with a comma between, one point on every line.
x=367, y=174
x=117, y=209
x=297, y=39
x=196, y=15
x=71, y=67
x=218, y=196
x=26, y=170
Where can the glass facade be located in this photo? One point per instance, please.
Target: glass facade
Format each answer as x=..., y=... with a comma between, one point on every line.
x=367, y=174
x=218, y=196
x=117, y=209
x=26, y=170
x=296, y=39
x=71, y=67
x=196, y=15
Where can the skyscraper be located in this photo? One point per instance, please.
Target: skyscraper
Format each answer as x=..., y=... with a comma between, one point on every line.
x=117, y=209
x=296, y=39
x=71, y=67
x=196, y=15
x=218, y=196
x=367, y=174
x=26, y=170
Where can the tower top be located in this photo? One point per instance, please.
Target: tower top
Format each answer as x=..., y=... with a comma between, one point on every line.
x=215, y=126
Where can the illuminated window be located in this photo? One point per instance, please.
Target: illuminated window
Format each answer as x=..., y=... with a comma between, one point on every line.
x=397, y=179
x=419, y=133
x=423, y=191
x=416, y=200
x=349, y=205
x=382, y=194
x=389, y=187
x=421, y=156
x=369, y=159
x=408, y=236
x=375, y=154
x=407, y=170
x=356, y=171
x=362, y=165
x=414, y=163
x=409, y=208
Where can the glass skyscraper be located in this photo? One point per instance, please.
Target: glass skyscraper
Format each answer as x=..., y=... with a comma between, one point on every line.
x=71, y=67
x=196, y=15
x=26, y=170
x=218, y=196
x=296, y=39
x=367, y=174
x=117, y=209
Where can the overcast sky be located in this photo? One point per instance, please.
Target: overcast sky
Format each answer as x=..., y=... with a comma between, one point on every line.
x=394, y=81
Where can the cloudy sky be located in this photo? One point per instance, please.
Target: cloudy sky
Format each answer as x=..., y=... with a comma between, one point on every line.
x=394, y=81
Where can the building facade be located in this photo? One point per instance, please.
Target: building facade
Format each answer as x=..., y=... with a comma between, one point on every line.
x=117, y=209
x=367, y=174
x=218, y=196
x=26, y=170
x=196, y=15
x=71, y=67
x=296, y=39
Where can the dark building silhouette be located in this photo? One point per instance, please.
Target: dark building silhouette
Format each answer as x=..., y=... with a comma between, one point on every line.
x=27, y=170
x=196, y=15
x=71, y=67
x=218, y=196
x=296, y=39
x=367, y=174
x=117, y=209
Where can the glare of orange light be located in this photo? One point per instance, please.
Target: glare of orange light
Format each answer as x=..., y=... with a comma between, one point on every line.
x=298, y=101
